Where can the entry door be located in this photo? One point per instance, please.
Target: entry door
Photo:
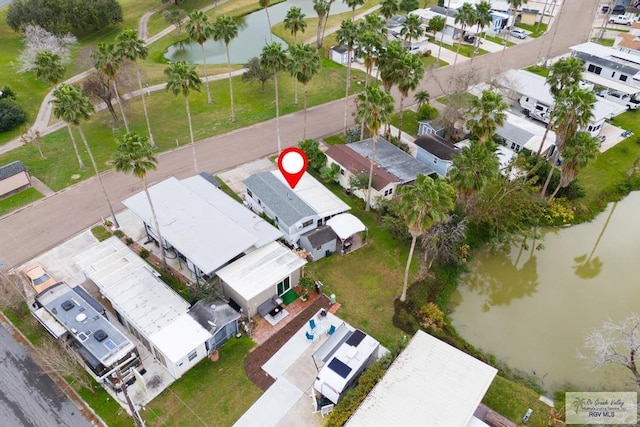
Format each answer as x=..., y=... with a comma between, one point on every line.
x=284, y=286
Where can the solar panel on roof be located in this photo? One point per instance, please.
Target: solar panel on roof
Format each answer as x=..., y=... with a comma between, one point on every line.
x=339, y=368
x=356, y=338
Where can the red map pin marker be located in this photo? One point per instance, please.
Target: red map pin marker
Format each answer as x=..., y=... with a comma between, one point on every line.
x=292, y=164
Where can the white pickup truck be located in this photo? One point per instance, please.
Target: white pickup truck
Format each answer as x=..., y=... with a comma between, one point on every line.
x=620, y=19
x=621, y=98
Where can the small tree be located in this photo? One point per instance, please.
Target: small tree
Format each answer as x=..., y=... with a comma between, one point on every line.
x=175, y=17
x=317, y=159
x=256, y=72
x=330, y=173
x=48, y=66
x=436, y=24
x=37, y=40
x=11, y=114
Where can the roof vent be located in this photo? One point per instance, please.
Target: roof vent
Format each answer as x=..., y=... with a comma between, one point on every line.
x=81, y=317
x=100, y=335
x=67, y=305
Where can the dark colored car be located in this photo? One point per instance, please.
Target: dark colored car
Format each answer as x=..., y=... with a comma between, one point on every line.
x=469, y=38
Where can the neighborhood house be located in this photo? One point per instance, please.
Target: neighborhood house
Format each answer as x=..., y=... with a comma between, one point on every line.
x=14, y=178
x=436, y=152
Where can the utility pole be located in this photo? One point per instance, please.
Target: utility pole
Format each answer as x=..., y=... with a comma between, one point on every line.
x=134, y=412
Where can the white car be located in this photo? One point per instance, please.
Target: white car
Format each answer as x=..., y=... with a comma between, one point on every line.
x=620, y=19
x=518, y=33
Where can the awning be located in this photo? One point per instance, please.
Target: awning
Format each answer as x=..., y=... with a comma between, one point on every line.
x=611, y=84
x=346, y=225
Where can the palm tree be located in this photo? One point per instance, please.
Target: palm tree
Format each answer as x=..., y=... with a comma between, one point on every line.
x=437, y=23
x=225, y=29
x=422, y=205
x=353, y=4
x=373, y=107
x=565, y=73
x=73, y=106
x=389, y=63
x=304, y=63
x=347, y=36
x=412, y=29
x=183, y=78
x=409, y=76
x=322, y=8
x=294, y=22
x=465, y=15
x=200, y=30
x=130, y=47
x=369, y=47
x=265, y=5
x=483, y=18
x=472, y=168
x=572, y=110
x=107, y=61
x=274, y=59
x=421, y=97
x=388, y=8
x=48, y=66
x=487, y=114
x=135, y=156
x=578, y=151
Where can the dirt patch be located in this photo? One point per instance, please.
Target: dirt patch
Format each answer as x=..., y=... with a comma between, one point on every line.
x=261, y=354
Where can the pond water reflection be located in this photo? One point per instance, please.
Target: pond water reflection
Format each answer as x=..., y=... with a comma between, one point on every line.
x=253, y=34
x=532, y=309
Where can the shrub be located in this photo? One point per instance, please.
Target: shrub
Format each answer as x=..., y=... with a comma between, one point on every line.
x=317, y=159
x=100, y=233
x=144, y=253
x=427, y=112
x=427, y=54
x=120, y=234
x=11, y=114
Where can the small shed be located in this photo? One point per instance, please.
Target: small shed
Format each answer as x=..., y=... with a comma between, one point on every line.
x=218, y=318
x=14, y=178
x=320, y=242
x=436, y=152
x=435, y=126
x=340, y=54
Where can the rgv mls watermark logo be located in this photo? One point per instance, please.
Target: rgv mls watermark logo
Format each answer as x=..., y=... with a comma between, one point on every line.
x=601, y=408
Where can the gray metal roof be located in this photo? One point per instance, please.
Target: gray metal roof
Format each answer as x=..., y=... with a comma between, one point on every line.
x=321, y=235
x=217, y=312
x=514, y=133
x=12, y=169
x=393, y=159
x=284, y=203
x=614, y=65
x=437, y=146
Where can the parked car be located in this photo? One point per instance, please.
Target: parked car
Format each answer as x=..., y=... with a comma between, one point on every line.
x=620, y=19
x=620, y=98
x=469, y=38
x=518, y=33
x=618, y=9
x=38, y=278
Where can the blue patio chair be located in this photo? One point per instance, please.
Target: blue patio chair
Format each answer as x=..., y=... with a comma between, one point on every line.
x=312, y=324
x=309, y=336
x=331, y=330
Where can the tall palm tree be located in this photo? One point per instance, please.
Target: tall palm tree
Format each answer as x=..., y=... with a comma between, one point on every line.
x=294, y=22
x=200, y=30
x=347, y=36
x=578, y=151
x=409, y=76
x=224, y=28
x=274, y=59
x=437, y=23
x=303, y=65
x=135, y=156
x=421, y=97
x=369, y=47
x=565, y=73
x=465, y=15
x=265, y=5
x=572, y=110
x=182, y=78
x=48, y=66
x=73, y=106
x=471, y=170
x=353, y=4
x=321, y=7
x=423, y=204
x=412, y=29
x=130, y=47
x=483, y=18
x=487, y=114
x=388, y=8
x=390, y=64
x=373, y=107
x=107, y=61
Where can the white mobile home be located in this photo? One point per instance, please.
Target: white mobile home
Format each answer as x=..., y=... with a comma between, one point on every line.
x=609, y=67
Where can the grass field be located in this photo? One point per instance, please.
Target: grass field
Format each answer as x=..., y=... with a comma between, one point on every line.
x=18, y=200
x=532, y=29
x=512, y=400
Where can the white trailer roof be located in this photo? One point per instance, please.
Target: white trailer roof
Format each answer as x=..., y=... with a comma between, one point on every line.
x=315, y=195
x=611, y=84
x=260, y=270
x=180, y=337
x=201, y=231
x=430, y=383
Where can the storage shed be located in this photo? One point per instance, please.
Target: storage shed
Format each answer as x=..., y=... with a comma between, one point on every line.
x=14, y=178
x=320, y=242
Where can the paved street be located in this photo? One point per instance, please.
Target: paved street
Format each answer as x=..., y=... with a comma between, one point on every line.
x=52, y=220
x=27, y=396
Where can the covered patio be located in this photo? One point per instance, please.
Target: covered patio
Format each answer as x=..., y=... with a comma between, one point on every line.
x=348, y=228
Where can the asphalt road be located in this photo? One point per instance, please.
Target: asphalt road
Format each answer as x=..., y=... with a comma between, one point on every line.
x=50, y=221
x=29, y=397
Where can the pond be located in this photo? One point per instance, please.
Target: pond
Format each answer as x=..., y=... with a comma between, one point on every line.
x=532, y=309
x=253, y=34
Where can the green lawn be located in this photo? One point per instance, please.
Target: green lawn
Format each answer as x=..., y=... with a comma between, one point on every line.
x=409, y=122
x=217, y=392
x=512, y=400
x=604, y=42
x=498, y=40
x=466, y=49
x=18, y=200
x=536, y=69
x=532, y=28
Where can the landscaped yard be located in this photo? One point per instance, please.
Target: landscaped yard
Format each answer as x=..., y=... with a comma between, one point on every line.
x=512, y=400
x=466, y=49
x=18, y=200
x=536, y=69
x=535, y=30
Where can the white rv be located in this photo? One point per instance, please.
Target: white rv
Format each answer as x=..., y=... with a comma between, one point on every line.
x=620, y=98
x=535, y=109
